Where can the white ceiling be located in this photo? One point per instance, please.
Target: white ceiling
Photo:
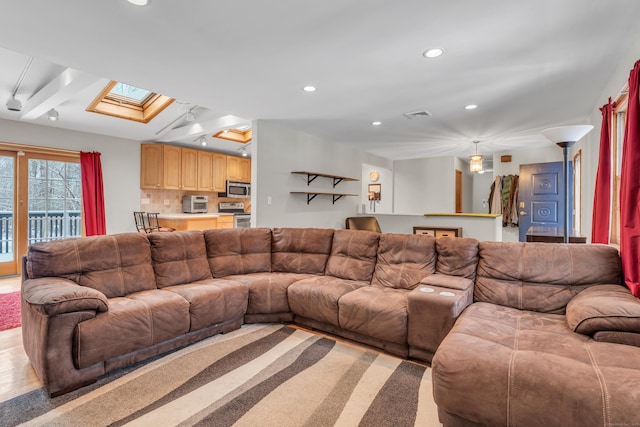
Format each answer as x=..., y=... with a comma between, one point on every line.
x=527, y=64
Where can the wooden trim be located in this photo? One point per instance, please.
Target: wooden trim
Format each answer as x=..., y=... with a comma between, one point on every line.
x=458, y=191
x=235, y=135
x=112, y=106
x=10, y=146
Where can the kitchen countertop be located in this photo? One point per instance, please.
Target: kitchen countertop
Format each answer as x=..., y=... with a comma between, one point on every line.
x=191, y=215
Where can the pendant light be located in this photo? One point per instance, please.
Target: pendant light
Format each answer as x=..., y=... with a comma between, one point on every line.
x=475, y=165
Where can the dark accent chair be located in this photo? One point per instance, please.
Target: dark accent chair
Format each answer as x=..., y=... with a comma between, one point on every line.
x=369, y=223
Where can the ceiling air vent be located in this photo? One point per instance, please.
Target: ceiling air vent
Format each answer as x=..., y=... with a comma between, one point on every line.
x=422, y=114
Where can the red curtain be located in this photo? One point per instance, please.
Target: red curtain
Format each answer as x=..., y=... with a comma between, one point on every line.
x=602, y=197
x=92, y=194
x=630, y=189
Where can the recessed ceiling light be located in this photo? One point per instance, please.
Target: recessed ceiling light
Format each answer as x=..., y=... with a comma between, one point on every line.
x=309, y=88
x=433, y=53
x=470, y=107
x=139, y=2
x=376, y=123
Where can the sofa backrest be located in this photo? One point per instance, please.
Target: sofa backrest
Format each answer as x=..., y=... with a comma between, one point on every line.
x=300, y=250
x=353, y=255
x=238, y=251
x=457, y=257
x=403, y=260
x=179, y=257
x=115, y=265
x=542, y=277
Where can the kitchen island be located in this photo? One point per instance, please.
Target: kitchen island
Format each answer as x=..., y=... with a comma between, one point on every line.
x=477, y=225
x=195, y=221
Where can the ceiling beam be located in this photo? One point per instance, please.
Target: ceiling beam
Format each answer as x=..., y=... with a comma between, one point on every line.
x=203, y=127
x=63, y=87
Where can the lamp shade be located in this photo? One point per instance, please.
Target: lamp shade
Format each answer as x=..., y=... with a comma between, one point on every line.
x=566, y=133
x=475, y=164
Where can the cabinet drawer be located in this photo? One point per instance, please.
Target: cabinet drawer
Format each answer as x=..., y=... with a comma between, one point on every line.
x=428, y=232
x=445, y=233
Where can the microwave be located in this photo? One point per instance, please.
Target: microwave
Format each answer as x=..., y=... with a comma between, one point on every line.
x=195, y=204
x=237, y=189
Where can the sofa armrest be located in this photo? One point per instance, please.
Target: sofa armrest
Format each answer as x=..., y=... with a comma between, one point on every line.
x=602, y=308
x=55, y=295
x=432, y=309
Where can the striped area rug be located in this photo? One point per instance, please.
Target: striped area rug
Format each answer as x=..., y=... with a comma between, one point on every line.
x=260, y=375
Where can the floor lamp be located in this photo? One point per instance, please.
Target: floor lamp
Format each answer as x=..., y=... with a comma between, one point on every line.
x=564, y=137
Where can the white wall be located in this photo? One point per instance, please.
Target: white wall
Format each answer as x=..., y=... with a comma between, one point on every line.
x=120, y=164
x=481, y=190
x=385, y=205
x=590, y=144
x=424, y=186
x=467, y=184
x=276, y=152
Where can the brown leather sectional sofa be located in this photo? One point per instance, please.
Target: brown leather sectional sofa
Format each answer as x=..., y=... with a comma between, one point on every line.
x=95, y=304
x=547, y=335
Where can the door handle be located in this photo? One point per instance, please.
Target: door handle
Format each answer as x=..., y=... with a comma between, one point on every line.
x=522, y=213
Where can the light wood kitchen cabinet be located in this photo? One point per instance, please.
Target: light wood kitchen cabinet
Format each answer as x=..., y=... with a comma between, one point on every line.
x=170, y=167
x=212, y=171
x=238, y=169
x=245, y=169
x=219, y=170
x=188, y=169
x=151, y=167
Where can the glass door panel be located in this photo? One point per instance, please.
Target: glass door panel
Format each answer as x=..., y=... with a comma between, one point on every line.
x=54, y=200
x=7, y=214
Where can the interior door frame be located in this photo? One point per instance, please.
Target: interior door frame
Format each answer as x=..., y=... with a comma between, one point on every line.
x=11, y=267
x=458, y=181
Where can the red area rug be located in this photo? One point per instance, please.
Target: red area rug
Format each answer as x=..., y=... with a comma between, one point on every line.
x=10, y=310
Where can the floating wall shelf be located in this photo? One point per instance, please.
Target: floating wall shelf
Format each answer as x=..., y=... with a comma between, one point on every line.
x=336, y=179
x=312, y=195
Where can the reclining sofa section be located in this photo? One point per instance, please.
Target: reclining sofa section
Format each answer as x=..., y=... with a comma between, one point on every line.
x=95, y=304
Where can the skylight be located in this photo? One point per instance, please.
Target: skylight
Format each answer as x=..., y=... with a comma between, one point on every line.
x=129, y=102
x=131, y=93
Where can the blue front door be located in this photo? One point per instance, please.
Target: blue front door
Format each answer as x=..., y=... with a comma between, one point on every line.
x=541, y=196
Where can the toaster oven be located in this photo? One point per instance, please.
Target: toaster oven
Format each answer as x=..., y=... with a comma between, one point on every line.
x=195, y=204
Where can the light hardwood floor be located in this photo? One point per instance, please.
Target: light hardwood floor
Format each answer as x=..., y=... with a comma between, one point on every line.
x=16, y=374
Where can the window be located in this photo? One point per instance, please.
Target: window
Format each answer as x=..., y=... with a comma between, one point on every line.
x=617, y=136
x=55, y=200
x=577, y=191
x=129, y=102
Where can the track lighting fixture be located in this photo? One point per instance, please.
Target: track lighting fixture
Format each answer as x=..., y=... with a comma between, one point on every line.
x=203, y=141
x=244, y=152
x=52, y=115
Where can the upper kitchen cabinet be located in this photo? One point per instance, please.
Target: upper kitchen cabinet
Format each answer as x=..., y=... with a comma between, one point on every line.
x=180, y=168
x=151, y=166
x=238, y=169
x=168, y=167
x=212, y=171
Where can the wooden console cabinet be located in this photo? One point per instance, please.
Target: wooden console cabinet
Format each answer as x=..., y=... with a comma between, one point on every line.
x=438, y=232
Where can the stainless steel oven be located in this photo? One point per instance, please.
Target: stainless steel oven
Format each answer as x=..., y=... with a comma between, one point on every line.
x=241, y=219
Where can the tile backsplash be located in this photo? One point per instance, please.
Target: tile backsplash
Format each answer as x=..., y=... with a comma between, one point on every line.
x=170, y=201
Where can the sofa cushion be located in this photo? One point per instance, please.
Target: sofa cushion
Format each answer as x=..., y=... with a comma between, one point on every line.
x=317, y=297
x=457, y=257
x=179, y=257
x=212, y=301
x=137, y=321
x=375, y=311
x=115, y=265
x=604, y=308
x=542, y=277
x=403, y=260
x=238, y=251
x=492, y=366
x=353, y=255
x=268, y=291
x=300, y=250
